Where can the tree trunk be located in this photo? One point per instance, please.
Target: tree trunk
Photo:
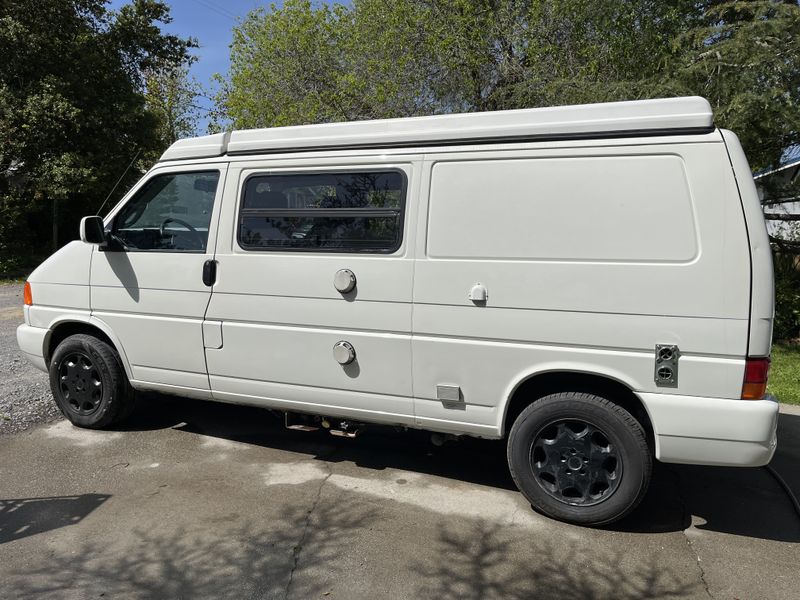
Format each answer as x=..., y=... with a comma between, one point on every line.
x=55, y=224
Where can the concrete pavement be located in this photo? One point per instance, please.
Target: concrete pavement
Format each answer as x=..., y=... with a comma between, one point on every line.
x=206, y=500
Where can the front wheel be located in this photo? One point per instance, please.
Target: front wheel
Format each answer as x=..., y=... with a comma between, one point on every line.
x=88, y=382
x=579, y=458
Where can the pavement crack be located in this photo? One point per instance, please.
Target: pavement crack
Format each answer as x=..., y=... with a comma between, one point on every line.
x=298, y=548
x=689, y=544
x=699, y=564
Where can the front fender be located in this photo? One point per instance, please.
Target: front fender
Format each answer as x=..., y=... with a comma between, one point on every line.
x=91, y=322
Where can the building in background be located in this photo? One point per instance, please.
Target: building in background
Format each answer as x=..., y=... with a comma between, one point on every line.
x=779, y=191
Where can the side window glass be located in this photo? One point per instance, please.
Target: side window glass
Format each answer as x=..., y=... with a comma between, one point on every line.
x=170, y=212
x=323, y=212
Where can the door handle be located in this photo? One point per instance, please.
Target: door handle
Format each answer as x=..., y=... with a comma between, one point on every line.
x=209, y=272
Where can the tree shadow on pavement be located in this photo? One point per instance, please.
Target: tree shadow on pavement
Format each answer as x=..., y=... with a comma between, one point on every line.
x=205, y=560
x=21, y=517
x=739, y=501
x=485, y=563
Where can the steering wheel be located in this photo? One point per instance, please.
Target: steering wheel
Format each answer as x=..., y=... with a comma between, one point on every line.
x=200, y=241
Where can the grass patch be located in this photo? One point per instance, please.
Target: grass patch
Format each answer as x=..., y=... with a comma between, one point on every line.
x=784, y=374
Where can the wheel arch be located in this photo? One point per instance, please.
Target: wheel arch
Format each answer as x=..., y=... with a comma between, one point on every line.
x=563, y=378
x=73, y=324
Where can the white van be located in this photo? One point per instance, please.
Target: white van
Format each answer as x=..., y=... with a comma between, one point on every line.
x=592, y=282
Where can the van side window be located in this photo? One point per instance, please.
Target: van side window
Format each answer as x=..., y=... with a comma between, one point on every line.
x=323, y=212
x=171, y=212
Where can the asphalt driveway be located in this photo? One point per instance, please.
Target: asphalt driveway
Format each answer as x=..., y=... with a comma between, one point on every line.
x=197, y=499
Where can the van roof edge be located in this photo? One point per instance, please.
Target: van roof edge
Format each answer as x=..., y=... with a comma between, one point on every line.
x=611, y=119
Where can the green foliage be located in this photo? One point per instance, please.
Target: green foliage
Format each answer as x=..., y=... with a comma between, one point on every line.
x=72, y=111
x=744, y=56
x=17, y=245
x=787, y=297
x=784, y=373
x=306, y=62
x=171, y=97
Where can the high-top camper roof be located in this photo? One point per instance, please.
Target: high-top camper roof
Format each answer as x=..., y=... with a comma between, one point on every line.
x=640, y=117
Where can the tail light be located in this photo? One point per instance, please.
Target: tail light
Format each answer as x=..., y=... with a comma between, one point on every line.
x=27, y=297
x=755, y=378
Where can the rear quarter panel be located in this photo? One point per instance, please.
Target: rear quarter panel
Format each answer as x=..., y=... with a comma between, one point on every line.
x=655, y=253
x=763, y=282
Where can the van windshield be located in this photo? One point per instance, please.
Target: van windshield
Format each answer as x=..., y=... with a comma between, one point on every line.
x=170, y=212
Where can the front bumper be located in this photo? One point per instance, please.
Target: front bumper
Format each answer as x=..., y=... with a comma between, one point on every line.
x=713, y=431
x=31, y=341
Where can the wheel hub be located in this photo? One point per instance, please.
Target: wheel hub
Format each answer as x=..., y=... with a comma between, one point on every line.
x=575, y=462
x=80, y=383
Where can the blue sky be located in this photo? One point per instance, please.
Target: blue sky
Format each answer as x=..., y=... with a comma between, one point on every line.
x=210, y=22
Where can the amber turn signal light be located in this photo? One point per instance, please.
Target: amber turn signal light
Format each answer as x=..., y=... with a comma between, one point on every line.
x=756, y=371
x=27, y=297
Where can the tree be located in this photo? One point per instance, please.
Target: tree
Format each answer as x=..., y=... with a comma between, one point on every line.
x=171, y=96
x=72, y=110
x=744, y=56
x=308, y=63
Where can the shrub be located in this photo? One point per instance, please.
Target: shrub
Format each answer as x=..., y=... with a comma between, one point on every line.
x=787, y=297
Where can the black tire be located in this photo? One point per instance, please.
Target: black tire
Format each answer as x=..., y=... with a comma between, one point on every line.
x=579, y=458
x=89, y=383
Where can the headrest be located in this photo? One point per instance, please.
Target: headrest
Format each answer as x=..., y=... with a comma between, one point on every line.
x=267, y=199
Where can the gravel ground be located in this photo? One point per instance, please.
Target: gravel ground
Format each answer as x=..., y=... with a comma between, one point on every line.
x=25, y=398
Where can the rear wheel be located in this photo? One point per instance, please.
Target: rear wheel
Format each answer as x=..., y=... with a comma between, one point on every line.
x=579, y=458
x=88, y=382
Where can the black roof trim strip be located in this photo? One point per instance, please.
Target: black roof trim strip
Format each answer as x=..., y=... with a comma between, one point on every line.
x=628, y=133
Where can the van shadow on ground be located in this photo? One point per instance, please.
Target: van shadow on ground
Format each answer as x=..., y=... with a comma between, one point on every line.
x=746, y=502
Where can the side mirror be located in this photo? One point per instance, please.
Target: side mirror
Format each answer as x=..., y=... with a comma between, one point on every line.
x=93, y=230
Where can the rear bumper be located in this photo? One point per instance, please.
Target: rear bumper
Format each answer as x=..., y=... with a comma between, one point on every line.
x=31, y=341
x=713, y=431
